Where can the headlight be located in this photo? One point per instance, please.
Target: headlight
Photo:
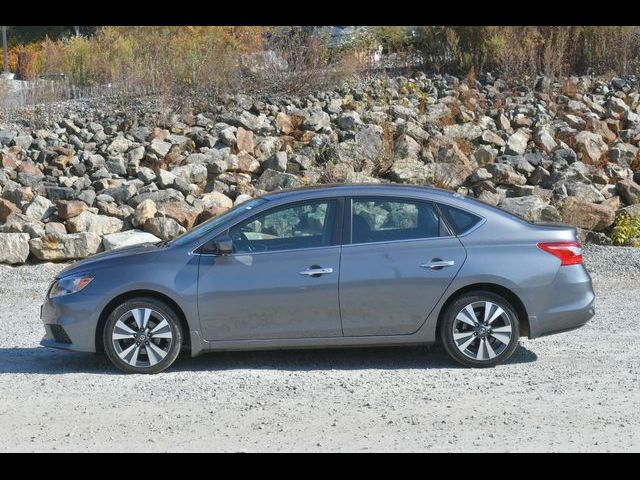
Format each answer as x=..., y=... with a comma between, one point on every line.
x=68, y=285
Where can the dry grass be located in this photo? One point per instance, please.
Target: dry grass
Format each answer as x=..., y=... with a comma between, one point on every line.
x=518, y=51
x=182, y=61
x=382, y=165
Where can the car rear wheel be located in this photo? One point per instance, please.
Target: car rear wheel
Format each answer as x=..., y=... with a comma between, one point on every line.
x=142, y=335
x=480, y=329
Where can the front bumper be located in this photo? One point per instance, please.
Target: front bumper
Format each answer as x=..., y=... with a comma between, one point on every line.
x=70, y=322
x=568, y=303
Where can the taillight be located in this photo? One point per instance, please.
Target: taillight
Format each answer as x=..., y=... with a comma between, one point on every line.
x=569, y=253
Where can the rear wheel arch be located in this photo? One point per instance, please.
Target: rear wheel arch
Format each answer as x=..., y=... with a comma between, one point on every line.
x=508, y=295
x=116, y=301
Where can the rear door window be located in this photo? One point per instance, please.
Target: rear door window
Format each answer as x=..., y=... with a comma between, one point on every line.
x=383, y=219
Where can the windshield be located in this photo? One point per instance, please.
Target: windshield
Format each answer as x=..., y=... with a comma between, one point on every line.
x=215, y=222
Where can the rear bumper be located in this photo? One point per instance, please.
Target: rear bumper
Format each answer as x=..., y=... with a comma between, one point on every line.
x=568, y=304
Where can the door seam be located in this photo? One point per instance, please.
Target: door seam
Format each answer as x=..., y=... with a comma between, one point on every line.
x=339, y=302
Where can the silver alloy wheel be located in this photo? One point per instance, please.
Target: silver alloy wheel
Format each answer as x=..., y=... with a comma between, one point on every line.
x=142, y=337
x=482, y=330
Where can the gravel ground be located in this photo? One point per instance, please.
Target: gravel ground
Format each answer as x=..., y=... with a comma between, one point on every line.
x=576, y=391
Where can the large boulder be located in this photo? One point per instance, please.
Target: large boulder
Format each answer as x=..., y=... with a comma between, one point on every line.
x=182, y=212
x=144, y=211
x=19, y=223
x=164, y=227
x=517, y=143
x=249, y=121
x=273, y=180
x=192, y=173
x=14, y=247
x=410, y=170
x=624, y=154
x=492, y=138
x=285, y=123
x=94, y=223
x=244, y=141
x=126, y=239
x=466, y=131
x=546, y=141
x=116, y=165
x=7, y=208
x=54, y=227
x=585, y=191
x=40, y=208
x=349, y=120
x=629, y=191
x=531, y=208
x=243, y=162
x=214, y=204
x=316, y=121
x=70, y=208
x=55, y=193
x=118, y=145
x=504, y=174
x=216, y=199
x=65, y=247
x=16, y=193
x=591, y=146
x=158, y=196
x=400, y=111
x=369, y=140
x=278, y=162
x=407, y=147
x=585, y=214
x=452, y=166
x=165, y=179
x=159, y=147
x=122, y=193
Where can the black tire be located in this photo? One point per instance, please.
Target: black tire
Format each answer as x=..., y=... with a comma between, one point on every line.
x=170, y=347
x=479, y=333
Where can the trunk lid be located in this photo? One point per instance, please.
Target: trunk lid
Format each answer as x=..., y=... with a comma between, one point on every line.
x=547, y=231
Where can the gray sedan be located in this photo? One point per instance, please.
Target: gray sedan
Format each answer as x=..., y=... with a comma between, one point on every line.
x=332, y=266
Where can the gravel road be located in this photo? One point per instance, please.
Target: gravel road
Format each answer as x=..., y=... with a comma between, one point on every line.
x=577, y=391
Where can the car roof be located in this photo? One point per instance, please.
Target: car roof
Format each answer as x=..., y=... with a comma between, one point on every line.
x=420, y=191
x=345, y=189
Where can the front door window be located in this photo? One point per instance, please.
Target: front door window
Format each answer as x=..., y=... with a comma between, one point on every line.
x=303, y=225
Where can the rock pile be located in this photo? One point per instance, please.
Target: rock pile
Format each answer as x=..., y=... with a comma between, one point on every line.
x=98, y=178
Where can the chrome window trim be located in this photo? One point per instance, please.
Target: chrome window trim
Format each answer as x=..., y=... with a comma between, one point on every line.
x=406, y=240
x=264, y=253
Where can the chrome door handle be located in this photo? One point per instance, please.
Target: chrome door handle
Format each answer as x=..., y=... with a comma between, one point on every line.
x=438, y=264
x=312, y=272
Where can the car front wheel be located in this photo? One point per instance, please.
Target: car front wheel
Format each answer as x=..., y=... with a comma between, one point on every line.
x=480, y=329
x=142, y=335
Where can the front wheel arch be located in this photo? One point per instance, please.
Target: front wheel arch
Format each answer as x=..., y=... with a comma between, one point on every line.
x=120, y=299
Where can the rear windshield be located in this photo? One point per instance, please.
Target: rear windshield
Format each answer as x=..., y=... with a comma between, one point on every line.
x=460, y=220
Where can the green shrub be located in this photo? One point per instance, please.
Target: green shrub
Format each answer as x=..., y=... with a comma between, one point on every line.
x=626, y=230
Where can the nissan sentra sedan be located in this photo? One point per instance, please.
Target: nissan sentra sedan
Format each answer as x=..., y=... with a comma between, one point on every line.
x=330, y=266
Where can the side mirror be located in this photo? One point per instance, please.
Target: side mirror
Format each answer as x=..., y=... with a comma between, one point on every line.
x=219, y=246
x=223, y=245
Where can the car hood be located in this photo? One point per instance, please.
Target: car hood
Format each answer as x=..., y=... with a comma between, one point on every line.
x=96, y=260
